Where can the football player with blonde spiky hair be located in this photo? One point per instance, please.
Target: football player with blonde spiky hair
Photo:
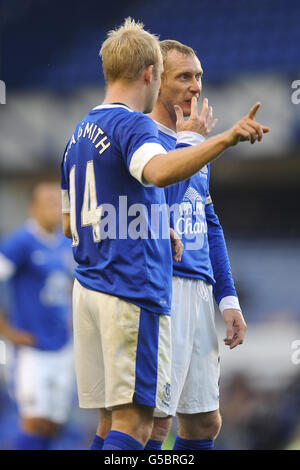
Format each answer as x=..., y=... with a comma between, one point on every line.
x=122, y=290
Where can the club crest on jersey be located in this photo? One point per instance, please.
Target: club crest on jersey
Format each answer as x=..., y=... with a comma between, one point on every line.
x=165, y=395
x=204, y=170
x=38, y=257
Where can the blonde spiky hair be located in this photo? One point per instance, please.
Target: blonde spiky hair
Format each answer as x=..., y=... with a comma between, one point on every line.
x=128, y=50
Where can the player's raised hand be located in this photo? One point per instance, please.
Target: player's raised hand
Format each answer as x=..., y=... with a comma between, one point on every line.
x=210, y=122
x=254, y=110
x=235, y=327
x=247, y=128
x=202, y=123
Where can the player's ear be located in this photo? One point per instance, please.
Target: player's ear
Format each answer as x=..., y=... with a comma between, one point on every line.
x=148, y=74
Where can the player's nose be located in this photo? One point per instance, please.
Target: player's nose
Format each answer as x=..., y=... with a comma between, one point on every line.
x=196, y=87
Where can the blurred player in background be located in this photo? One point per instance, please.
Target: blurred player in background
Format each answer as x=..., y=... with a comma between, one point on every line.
x=204, y=269
x=122, y=291
x=37, y=261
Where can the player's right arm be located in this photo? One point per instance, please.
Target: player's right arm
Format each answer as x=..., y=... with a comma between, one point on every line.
x=178, y=165
x=15, y=336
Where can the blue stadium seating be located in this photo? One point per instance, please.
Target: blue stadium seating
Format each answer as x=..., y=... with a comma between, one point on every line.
x=56, y=44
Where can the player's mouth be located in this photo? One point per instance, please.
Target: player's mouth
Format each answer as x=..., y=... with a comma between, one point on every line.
x=190, y=100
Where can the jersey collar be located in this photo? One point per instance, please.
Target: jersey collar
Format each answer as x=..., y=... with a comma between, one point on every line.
x=111, y=106
x=166, y=130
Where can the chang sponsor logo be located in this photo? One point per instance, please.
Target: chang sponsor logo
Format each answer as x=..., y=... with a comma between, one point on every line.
x=191, y=223
x=140, y=221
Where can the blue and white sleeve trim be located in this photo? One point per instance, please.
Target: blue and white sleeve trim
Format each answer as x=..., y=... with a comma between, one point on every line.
x=65, y=202
x=189, y=138
x=141, y=157
x=229, y=301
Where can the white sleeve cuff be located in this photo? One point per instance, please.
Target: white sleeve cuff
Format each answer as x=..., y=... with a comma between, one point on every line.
x=229, y=302
x=65, y=202
x=208, y=200
x=190, y=138
x=141, y=157
x=7, y=268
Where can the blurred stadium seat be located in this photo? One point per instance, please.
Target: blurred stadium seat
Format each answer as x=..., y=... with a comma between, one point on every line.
x=233, y=37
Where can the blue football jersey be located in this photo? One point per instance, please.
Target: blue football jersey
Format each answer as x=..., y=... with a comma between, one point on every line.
x=194, y=220
x=40, y=297
x=118, y=249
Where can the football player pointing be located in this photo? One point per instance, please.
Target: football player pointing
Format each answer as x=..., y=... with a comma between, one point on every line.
x=122, y=291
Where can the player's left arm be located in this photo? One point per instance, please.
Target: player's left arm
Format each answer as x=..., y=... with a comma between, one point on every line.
x=235, y=327
x=66, y=225
x=224, y=289
x=11, y=259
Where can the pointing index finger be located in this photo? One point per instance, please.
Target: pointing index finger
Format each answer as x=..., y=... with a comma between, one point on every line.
x=253, y=110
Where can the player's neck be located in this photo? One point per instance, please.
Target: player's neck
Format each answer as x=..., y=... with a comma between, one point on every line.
x=127, y=94
x=161, y=114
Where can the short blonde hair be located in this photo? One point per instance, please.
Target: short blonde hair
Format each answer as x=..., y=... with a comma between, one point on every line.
x=128, y=50
x=171, y=45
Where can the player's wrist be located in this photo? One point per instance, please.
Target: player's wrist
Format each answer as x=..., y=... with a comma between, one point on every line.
x=229, y=302
x=227, y=138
